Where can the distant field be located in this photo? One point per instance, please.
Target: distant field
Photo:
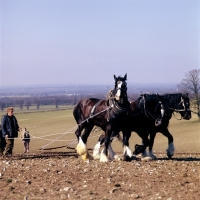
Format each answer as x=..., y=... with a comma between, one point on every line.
x=42, y=108
x=48, y=124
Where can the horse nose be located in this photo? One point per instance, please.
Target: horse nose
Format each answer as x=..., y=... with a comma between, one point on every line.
x=187, y=116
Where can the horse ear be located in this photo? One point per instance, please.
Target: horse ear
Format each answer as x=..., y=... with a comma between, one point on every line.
x=185, y=95
x=125, y=77
x=115, y=77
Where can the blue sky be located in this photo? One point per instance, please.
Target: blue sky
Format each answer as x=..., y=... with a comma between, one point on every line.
x=58, y=42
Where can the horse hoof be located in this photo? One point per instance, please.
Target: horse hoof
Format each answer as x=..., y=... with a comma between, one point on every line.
x=116, y=157
x=169, y=155
x=135, y=158
x=127, y=158
x=153, y=157
x=146, y=159
x=87, y=156
x=96, y=157
x=103, y=158
x=81, y=150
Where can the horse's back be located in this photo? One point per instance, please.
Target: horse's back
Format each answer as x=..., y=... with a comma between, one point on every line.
x=84, y=107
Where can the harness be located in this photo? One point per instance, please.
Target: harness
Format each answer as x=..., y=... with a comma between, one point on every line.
x=112, y=104
x=158, y=120
x=94, y=107
x=147, y=113
x=179, y=110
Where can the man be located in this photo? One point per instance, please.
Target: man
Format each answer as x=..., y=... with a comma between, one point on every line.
x=10, y=130
x=2, y=146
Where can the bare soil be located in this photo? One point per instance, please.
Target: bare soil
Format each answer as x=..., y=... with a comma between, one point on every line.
x=66, y=176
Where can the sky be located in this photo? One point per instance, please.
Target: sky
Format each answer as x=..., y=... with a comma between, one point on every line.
x=62, y=42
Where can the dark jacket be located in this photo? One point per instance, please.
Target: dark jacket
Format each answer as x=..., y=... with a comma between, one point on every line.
x=6, y=127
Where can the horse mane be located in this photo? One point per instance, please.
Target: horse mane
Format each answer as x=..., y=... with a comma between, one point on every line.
x=109, y=94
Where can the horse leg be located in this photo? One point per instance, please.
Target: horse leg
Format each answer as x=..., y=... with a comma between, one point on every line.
x=111, y=153
x=104, y=152
x=151, y=142
x=79, y=130
x=96, y=150
x=127, y=154
x=81, y=147
x=141, y=148
x=144, y=153
x=171, y=148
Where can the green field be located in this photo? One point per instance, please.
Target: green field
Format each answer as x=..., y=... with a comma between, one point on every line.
x=48, y=124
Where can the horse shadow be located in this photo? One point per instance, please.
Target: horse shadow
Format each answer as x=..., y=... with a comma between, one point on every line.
x=188, y=159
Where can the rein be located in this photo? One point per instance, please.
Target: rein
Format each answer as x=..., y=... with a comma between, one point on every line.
x=146, y=111
x=91, y=116
x=178, y=111
x=194, y=112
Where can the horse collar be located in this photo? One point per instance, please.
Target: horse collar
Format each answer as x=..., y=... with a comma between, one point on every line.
x=116, y=108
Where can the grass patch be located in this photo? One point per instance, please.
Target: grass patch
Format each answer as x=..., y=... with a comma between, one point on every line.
x=60, y=126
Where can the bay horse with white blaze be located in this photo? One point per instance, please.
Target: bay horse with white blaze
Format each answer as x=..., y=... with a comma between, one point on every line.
x=106, y=114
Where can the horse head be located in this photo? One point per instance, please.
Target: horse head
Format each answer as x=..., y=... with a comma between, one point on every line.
x=120, y=90
x=159, y=111
x=184, y=107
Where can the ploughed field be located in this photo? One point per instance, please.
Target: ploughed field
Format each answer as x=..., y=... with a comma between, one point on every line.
x=61, y=174
x=65, y=176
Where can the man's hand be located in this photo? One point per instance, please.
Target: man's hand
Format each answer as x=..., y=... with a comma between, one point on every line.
x=6, y=136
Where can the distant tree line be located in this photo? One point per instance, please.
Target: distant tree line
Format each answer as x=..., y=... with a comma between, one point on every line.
x=38, y=100
x=26, y=102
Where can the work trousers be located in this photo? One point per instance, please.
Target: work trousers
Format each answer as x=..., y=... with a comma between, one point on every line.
x=2, y=145
x=9, y=146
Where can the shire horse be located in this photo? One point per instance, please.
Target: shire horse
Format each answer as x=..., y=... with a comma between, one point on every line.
x=106, y=114
x=179, y=103
x=171, y=103
x=146, y=112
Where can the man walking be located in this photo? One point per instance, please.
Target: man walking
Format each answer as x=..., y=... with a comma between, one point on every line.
x=10, y=130
x=2, y=145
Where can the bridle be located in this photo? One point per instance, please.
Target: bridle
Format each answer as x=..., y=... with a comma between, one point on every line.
x=180, y=110
x=121, y=86
x=113, y=102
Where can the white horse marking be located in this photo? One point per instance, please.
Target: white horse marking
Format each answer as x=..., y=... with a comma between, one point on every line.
x=128, y=151
x=96, y=151
x=119, y=85
x=103, y=157
x=81, y=147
